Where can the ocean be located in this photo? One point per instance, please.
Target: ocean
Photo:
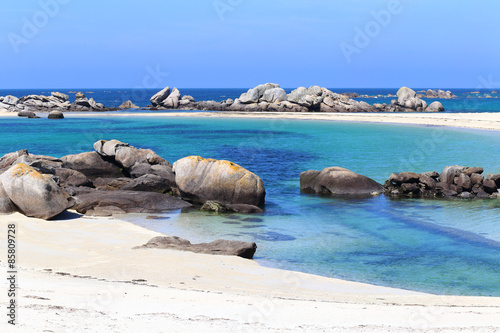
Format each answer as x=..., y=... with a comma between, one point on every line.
x=437, y=246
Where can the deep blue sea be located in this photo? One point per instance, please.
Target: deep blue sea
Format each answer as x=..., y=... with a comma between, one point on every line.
x=435, y=246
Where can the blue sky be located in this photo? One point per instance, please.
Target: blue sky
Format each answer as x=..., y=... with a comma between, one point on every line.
x=242, y=43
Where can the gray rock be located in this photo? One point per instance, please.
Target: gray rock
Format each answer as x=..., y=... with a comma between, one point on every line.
x=148, y=183
x=9, y=159
x=160, y=96
x=188, y=98
x=217, y=207
x=60, y=96
x=202, y=180
x=68, y=177
x=34, y=194
x=219, y=247
x=450, y=172
x=274, y=95
x=315, y=91
x=435, y=107
x=404, y=94
x=464, y=182
x=28, y=114
x=92, y=165
x=108, y=148
x=56, y=115
x=338, y=181
x=10, y=100
x=251, y=96
x=128, y=105
x=172, y=101
x=6, y=205
x=297, y=94
x=128, y=201
x=128, y=156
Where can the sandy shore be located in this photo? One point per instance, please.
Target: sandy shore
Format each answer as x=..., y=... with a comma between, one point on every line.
x=486, y=121
x=82, y=275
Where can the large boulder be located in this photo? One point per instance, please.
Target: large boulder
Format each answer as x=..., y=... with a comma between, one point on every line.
x=108, y=148
x=128, y=201
x=160, y=96
x=338, y=181
x=149, y=183
x=202, y=180
x=128, y=156
x=450, y=172
x=34, y=194
x=274, y=95
x=92, y=165
x=60, y=96
x=220, y=247
x=435, y=107
x=56, y=115
x=68, y=177
x=9, y=159
x=404, y=94
x=172, y=101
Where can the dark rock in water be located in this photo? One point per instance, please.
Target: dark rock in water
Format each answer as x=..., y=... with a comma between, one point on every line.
x=128, y=201
x=253, y=219
x=56, y=115
x=92, y=165
x=245, y=209
x=338, y=181
x=156, y=217
x=34, y=194
x=219, y=247
x=203, y=180
x=213, y=206
x=432, y=174
x=476, y=178
x=489, y=186
x=28, y=114
x=464, y=182
x=470, y=171
x=429, y=182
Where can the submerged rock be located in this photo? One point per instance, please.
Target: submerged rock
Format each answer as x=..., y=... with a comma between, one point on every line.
x=219, y=247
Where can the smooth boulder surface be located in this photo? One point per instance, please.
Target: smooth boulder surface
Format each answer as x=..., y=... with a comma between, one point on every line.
x=338, y=181
x=56, y=115
x=219, y=247
x=202, y=180
x=160, y=96
x=6, y=205
x=435, y=107
x=128, y=201
x=128, y=105
x=92, y=165
x=34, y=194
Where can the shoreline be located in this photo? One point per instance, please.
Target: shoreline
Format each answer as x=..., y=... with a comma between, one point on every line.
x=481, y=121
x=82, y=271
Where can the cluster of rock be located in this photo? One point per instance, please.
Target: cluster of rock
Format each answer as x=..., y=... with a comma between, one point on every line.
x=117, y=178
x=170, y=99
x=218, y=247
x=27, y=106
x=453, y=181
x=270, y=97
x=436, y=94
x=409, y=101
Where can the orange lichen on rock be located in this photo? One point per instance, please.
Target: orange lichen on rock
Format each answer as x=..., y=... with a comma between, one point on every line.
x=21, y=169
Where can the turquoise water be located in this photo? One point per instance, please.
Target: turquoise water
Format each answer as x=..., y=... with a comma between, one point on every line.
x=437, y=246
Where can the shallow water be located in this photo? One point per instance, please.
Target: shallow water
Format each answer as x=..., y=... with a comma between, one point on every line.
x=437, y=246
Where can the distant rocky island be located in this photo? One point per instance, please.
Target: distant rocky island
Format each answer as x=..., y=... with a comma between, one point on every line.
x=269, y=97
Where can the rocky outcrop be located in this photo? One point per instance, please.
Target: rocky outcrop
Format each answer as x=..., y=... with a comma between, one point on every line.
x=219, y=247
x=201, y=180
x=270, y=97
x=55, y=102
x=439, y=94
x=34, y=194
x=128, y=105
x=338, y=181
x=453, y=181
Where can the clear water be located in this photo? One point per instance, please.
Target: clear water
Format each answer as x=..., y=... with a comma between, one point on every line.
x=115, y=97
x=436, y=246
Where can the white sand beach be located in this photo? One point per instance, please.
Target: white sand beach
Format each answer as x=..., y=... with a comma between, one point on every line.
x=82, y=275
